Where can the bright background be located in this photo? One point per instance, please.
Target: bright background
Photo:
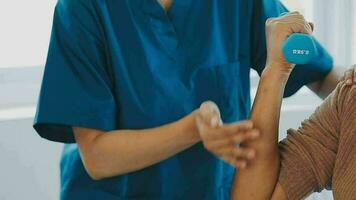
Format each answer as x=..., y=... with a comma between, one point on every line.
x=26, y=25
x=29, y=165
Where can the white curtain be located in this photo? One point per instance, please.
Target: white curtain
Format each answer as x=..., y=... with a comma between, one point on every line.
x=336, y=28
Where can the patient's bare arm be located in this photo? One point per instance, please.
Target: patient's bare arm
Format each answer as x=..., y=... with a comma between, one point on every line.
x=262, y=172
x=308, y=160
x=321, y=151
x=259, y=179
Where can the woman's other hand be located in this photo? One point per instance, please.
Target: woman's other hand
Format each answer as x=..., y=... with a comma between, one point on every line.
x=223, y=140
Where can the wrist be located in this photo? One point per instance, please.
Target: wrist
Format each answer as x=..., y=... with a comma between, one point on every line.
x=190, y=127
x=282, y=66
x=277, y=72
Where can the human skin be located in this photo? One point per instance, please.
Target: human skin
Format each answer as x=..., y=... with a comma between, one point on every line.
x=109, y=154
x=262, y=173
x=102, y=153
x=312, y=156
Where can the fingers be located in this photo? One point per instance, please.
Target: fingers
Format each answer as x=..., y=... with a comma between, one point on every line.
x=224, y=143
x=223, y=140
x=239, y=152
x=233, y=139
x=308, y=26
x=295, y=21
x=238, y=163
x=230, y=148
x=208, y=120
x=239, y=126
x=234, y=133
x=300, y=26
x=240, y=137
x=238, y=157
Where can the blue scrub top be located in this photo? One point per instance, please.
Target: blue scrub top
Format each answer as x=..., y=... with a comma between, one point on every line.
x=127, y=64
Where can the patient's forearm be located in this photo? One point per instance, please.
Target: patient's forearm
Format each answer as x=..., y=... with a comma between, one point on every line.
x=261, y=174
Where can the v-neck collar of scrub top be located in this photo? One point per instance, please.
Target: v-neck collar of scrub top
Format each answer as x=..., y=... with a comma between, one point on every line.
x=155, y=9
x=163, y=24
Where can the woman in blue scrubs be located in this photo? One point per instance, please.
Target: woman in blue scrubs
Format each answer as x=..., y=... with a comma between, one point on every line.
x=122, y=83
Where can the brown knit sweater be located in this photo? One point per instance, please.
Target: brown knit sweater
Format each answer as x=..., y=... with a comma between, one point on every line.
x=322, y=152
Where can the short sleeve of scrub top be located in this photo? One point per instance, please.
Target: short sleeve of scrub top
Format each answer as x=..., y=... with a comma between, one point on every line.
x=302, y=74
x=76, y=88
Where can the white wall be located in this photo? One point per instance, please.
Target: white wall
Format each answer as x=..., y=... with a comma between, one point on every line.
x=25, y=27
x=29, y=165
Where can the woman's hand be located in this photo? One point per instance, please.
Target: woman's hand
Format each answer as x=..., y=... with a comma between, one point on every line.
x=350, y=76
x=223, y=140
x=277, y=31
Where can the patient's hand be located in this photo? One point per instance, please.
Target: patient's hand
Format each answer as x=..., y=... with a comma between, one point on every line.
x=277, y=31
x=223, y=139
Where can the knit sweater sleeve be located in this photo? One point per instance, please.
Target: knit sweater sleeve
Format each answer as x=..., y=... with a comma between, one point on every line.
x=308, y=154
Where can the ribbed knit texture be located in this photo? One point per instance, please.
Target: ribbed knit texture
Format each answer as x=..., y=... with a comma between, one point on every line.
x=322, y=152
